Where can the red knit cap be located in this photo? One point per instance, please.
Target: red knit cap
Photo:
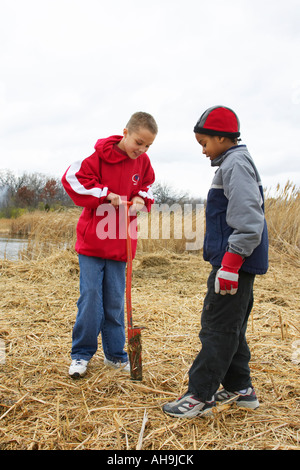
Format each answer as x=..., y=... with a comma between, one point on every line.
x=218, y=120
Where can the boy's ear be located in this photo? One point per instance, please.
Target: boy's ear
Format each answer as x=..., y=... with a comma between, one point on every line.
x=221, y=139
x=125, y=132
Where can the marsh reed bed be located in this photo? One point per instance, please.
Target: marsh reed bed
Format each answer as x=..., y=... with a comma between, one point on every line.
x=42, y=408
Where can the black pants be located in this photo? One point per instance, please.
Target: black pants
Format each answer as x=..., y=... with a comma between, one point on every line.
x=225, y=355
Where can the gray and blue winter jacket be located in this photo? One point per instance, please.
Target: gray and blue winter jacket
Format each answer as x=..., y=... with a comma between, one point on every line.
x=235, y=218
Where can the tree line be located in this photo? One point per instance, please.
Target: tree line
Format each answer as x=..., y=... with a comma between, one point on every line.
x=32, y=191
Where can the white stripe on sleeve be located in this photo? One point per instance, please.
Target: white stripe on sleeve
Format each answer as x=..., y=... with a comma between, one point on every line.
x=78, y=187
x=147, y=194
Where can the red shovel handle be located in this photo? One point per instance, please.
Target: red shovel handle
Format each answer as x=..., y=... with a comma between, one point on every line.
x=129, y=270
x=134, y=333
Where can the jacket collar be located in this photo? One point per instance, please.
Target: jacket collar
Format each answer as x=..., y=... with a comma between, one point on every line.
x=220, y=159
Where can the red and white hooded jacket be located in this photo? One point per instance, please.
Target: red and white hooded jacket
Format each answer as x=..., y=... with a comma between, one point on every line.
x=101, y=228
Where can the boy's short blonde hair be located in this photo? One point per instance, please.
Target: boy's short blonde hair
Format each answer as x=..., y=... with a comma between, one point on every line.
x=144, y=120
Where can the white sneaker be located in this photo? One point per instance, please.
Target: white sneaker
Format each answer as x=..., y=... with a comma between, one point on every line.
x=125, y=366
x=78, y=368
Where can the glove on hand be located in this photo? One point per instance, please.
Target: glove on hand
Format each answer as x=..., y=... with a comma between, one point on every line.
x=227, y=276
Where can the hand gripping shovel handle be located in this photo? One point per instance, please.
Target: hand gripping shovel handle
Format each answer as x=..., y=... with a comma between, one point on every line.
x=134, y=333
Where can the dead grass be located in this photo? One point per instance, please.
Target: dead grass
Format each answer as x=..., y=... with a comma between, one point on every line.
x=42, y=408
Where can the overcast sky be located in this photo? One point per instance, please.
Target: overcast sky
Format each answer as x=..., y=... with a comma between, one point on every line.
x=73, y=71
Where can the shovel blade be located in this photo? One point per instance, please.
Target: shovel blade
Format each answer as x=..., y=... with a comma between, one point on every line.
x=135, y=354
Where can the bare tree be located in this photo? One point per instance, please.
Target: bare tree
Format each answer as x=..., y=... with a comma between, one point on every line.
x=166, y=194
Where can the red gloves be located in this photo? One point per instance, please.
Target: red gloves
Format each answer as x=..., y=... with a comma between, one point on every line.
x=227, y=276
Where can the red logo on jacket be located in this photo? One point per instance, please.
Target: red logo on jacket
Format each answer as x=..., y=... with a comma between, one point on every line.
x=135, y=179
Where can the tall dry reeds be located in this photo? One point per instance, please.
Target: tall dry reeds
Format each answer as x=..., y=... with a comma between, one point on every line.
x=46, y=231
x=175, y=229
x=283, y=218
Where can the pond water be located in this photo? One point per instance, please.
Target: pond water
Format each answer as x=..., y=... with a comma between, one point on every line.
x=10, y=247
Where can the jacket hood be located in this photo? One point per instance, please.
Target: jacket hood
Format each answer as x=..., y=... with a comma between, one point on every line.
x=108, y=151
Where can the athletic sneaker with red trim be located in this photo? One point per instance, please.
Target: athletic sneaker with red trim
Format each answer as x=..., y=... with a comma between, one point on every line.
x=244, y=398
x=188, y=406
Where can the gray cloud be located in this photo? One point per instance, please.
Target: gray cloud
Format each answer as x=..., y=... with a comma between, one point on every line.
x=70, y=75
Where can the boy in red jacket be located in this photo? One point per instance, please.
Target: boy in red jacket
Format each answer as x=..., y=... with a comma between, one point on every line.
x=119, y=170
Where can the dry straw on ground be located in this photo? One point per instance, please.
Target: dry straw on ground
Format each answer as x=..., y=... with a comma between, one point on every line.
x=42, y=408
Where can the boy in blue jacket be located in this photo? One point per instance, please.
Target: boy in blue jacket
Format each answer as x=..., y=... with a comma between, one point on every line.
x=236, y=245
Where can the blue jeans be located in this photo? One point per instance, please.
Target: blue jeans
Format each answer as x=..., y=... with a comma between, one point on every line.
x=100, y=309
x=225, y=355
